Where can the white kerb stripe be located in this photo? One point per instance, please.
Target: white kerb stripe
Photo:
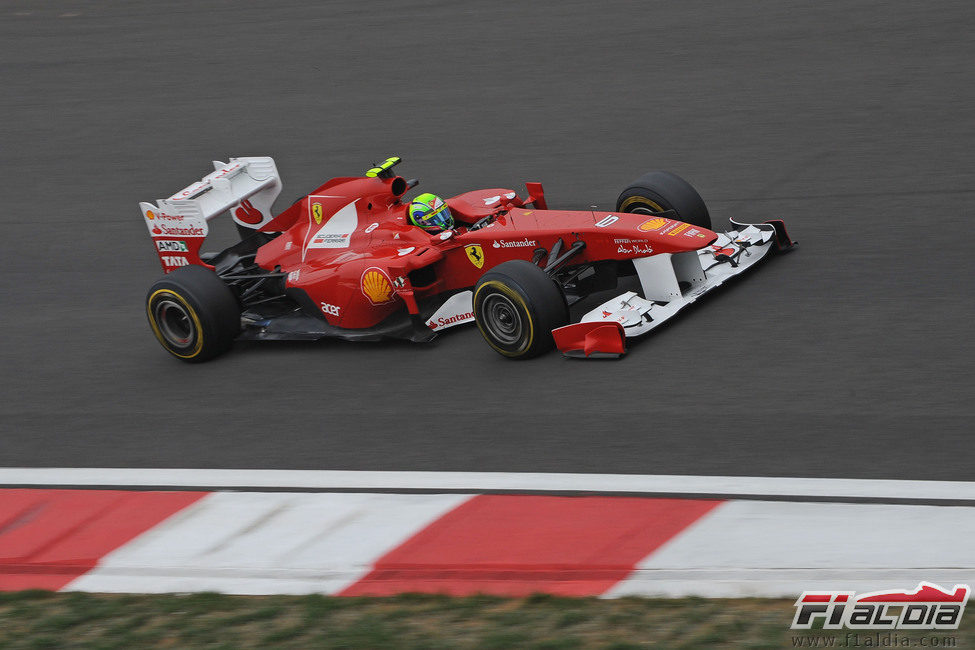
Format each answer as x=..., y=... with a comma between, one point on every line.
x=766, y=548
x=487, y=481
x=260, y=543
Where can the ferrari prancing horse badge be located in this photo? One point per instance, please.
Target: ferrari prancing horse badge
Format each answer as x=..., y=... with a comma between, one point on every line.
x=475, y=254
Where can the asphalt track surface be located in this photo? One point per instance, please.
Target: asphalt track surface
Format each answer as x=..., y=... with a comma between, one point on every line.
x=852, y=357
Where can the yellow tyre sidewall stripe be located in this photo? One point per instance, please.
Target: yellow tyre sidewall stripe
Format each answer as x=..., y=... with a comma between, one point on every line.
x=168, y=293
x=514, y=295
x=641, y=199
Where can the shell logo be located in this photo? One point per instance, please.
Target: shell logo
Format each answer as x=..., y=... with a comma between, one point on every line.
x=653, y=224
x=376, y=286
x=150, y=214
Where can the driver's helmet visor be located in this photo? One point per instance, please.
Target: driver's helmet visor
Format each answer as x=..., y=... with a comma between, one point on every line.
x=438, y=218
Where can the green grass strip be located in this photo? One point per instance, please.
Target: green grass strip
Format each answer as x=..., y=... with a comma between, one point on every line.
x=36, y=619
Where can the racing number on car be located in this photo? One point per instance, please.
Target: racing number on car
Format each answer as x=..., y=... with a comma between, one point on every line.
x=608, y=220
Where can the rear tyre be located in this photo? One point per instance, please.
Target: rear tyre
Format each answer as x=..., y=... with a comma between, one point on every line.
x=193, y=314
x=657, y=192
x=516, y=307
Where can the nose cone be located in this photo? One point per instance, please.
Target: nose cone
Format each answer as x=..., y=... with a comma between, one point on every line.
x=671, y=235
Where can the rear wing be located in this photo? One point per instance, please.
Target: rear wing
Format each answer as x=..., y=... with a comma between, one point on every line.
x=178, y=225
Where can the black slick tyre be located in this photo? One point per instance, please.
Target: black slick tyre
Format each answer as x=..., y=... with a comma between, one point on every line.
x=193, y=314
x=658, y=191
x=516, y=307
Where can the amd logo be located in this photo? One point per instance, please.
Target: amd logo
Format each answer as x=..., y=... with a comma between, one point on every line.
x=171, y=245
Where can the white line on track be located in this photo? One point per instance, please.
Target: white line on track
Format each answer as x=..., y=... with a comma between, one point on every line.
x=755, y=486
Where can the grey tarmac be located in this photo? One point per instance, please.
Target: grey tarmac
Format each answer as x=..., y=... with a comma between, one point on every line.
x=855, y=122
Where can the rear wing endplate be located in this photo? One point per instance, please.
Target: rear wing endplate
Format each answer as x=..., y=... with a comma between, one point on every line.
x=178, y=225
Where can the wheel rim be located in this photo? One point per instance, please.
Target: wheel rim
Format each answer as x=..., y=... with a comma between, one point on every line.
x=642, y=205
x=651, y=208
x=502, y=319
x=175, y=323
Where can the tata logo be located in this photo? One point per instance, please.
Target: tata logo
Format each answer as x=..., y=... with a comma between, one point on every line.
x=174, y=260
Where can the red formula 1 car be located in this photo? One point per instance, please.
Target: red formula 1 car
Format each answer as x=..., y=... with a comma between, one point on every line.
x=345, y=262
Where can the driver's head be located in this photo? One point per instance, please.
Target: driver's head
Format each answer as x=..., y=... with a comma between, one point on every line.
x=428, y=211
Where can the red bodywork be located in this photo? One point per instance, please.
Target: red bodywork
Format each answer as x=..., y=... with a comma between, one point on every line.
x=349, y=246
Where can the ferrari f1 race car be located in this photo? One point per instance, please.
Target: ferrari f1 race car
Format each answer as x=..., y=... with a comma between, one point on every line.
x=346, y=261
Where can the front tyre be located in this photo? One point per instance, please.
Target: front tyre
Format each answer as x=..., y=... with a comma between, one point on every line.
x=516, y=307
x=193, y=314
x=657, y=192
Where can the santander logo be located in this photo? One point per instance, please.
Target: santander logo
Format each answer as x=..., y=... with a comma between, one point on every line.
x=248, y=214
x=521, y=243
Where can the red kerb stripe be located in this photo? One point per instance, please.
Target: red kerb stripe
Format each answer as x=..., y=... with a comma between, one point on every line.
x=516, y=545
x=50, y=537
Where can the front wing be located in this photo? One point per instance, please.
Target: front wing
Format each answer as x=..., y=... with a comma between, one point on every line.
x=670, y=282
